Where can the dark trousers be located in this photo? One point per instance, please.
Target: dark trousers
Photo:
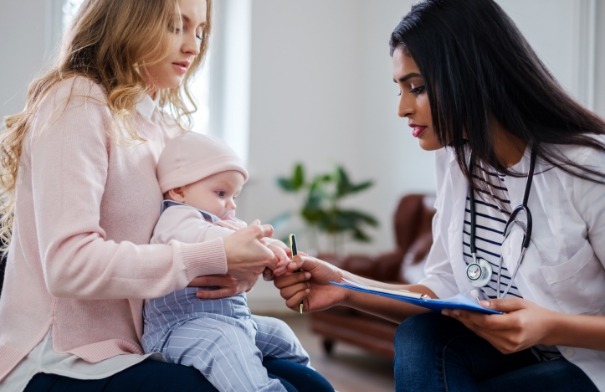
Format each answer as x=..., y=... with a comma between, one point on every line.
x=437, y=353
x=151, y=375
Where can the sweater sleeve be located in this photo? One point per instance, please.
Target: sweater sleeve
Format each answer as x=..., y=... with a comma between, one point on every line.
x=70, y=145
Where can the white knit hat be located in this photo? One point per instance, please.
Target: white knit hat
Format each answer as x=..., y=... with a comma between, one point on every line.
x=191, y=157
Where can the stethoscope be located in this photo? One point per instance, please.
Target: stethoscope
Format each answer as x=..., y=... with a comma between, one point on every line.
x=479, y=272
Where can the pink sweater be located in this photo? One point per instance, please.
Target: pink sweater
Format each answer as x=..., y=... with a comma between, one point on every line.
x=87, y=203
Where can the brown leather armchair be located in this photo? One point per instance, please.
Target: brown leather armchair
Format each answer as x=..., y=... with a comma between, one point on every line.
x=412, y=224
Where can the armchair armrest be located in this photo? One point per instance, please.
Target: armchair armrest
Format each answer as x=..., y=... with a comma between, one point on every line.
x=384, y=267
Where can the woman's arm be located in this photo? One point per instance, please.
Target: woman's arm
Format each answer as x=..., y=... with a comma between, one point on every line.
x=93, y=206
x=185, y=224
x=311, y=286
x=526, y=324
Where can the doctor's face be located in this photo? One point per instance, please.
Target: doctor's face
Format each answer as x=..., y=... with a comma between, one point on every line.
x=413, y=100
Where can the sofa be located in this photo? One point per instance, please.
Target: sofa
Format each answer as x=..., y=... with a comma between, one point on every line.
x=413, y=238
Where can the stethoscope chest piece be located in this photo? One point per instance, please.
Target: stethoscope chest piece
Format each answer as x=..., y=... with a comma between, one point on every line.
x=479, y=272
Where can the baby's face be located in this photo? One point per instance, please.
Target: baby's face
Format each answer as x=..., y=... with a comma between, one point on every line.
x=215, y=194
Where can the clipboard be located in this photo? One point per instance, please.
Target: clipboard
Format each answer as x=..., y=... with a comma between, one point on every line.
x=459, y=301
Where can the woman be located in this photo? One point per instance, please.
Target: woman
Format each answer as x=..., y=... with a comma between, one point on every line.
x=512, y=149
x=80, y=199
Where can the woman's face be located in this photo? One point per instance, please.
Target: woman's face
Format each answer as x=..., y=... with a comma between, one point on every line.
x=414, y=100
x=184, y=44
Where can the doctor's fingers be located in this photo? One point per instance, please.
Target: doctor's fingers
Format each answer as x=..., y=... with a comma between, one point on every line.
x=295, y=298
x=478, y=321
x=508, y=305
x=291, y=278
x=293, y=290
x=510, y=325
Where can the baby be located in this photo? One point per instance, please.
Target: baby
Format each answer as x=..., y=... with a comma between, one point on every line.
x=200, y=177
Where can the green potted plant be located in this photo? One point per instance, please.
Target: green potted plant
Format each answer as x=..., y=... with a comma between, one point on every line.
x=322, y=209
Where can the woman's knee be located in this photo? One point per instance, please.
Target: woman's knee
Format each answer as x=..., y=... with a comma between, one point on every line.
x=163, y=376
x=415, y=329
x=425, y=335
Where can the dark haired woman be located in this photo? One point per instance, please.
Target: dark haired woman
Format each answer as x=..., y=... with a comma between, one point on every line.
x=520, y=214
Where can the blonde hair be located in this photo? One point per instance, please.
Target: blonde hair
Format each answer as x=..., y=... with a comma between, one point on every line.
x=109, y=42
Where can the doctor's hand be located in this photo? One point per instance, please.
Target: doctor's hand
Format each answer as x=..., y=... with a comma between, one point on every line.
x=307, y=281
x=523, y=324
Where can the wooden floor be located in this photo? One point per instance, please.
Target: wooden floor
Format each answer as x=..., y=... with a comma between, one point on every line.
x=349, y=369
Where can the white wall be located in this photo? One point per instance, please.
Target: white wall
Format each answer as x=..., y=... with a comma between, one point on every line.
x=321, y=91
x=26, y=45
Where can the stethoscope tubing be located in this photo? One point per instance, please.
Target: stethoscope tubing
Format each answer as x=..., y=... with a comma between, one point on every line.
x=484, y=265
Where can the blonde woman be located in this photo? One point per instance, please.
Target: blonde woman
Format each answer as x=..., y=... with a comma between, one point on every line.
x=80, y=199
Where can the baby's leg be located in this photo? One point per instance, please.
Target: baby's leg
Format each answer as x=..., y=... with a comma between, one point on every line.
x=276, y=339
x=224, y=352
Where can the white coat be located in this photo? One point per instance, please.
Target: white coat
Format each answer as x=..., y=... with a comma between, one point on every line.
x=564, y=267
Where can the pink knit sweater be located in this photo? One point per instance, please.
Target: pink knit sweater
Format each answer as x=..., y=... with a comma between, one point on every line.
x=87, y=203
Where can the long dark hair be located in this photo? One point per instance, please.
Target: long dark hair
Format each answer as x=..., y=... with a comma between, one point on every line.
x=477, y=65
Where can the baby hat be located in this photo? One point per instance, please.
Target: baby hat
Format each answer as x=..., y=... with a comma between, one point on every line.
x=191, y=157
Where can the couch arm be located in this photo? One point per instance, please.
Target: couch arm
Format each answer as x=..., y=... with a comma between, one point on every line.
x=384, y=267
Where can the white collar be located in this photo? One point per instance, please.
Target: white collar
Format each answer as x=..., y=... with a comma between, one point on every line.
x=146, y=105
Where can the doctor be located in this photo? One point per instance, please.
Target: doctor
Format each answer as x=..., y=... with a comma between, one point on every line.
x=520, y=217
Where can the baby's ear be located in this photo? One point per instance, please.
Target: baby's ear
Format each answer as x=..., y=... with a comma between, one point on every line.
x=177, y=194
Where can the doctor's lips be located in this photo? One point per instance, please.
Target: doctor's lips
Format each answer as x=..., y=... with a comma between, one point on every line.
x=416, y=129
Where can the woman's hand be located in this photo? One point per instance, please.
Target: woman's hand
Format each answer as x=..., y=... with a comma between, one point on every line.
x=223, y=285
x=246, y=254
x=523, y=324
x=308, y=283
x=247, y=257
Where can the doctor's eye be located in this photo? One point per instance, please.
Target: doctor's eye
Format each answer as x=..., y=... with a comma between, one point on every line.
x=418, y=90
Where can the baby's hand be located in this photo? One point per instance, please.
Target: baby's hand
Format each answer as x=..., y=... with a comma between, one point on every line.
x=281, y=252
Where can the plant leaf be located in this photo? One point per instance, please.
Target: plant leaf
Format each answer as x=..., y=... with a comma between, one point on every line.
x=298, y=175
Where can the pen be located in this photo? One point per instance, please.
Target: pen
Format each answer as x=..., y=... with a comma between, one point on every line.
x=294, y=250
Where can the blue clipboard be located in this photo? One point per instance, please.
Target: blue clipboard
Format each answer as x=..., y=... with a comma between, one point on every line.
x=459, y=301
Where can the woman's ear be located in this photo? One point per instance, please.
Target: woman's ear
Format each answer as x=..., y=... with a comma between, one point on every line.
x=177, y=194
